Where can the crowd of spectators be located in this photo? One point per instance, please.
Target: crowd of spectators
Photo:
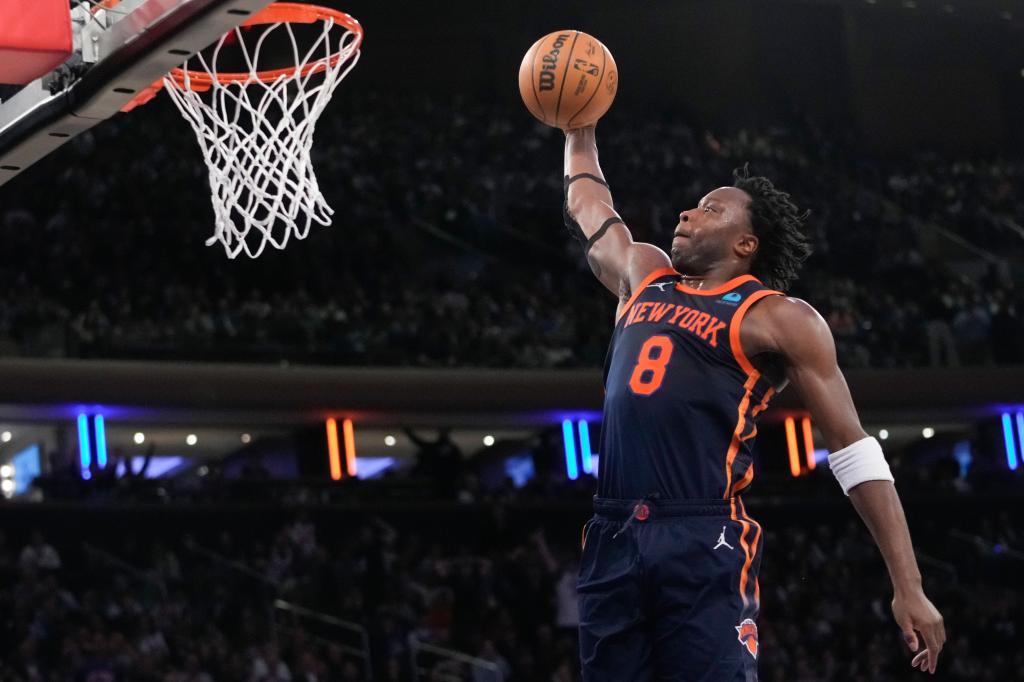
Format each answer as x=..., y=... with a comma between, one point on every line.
x=111, y=605
x=447, y=246
x=172, y=579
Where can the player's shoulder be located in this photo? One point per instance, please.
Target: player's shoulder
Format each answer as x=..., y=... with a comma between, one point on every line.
x=788, y=319
x=785, y=309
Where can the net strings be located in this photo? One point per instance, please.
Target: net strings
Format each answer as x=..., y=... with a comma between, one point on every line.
x=256, y=139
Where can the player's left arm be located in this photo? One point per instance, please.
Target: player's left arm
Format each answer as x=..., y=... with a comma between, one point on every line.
x=792, y=329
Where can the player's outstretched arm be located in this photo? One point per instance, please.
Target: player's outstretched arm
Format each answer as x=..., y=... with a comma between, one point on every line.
x=616, y=260
x=793, y=329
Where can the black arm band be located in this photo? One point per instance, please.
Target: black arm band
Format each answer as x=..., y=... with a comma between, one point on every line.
x=600, y=232
x=582, y=176
x=570, y=221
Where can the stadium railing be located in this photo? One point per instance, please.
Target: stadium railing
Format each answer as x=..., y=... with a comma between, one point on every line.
x=448, y=665
x=329, y=629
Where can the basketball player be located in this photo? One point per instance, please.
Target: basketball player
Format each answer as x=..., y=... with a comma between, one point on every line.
x=668, y=585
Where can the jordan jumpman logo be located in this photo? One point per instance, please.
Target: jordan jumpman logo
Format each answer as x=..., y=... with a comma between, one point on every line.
x=721, y=541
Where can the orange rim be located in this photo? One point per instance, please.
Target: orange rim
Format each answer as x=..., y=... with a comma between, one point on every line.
x=276, y=13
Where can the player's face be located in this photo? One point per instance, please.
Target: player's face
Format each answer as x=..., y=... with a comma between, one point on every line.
x=706, y=235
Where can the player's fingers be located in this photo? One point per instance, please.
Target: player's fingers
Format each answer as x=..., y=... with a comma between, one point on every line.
x=919, y=659
x=941, y=632
x=932, y=646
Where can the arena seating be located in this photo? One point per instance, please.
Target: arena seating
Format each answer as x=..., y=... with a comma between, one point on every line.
x=181, y=592
x=451, y=235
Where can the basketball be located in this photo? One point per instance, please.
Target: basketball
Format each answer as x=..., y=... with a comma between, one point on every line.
x=568, y=79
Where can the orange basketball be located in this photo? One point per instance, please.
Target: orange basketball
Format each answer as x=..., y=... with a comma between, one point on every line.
x=568, y=79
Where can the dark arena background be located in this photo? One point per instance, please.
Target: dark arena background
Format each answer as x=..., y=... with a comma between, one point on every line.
x=369, y=456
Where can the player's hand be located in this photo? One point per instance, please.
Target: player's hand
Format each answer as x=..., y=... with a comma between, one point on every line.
x=580, y=129
x=919, y=619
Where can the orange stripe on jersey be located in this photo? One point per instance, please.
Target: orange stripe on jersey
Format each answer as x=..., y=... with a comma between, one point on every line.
x=750, y=557
x=746, y=553
x=764, y=403
x=741, y=422
x=745, y=571
x=638, y=289
x=748, y=476
x=734, y=328
x=756, y=411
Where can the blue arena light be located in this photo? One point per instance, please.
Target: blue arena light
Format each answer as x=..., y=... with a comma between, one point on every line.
x=1020, y=433
x=963, y=456
x=1011, y=447
x=585, y=454
x=571, y=469
x=101, y=441
x=84, y=451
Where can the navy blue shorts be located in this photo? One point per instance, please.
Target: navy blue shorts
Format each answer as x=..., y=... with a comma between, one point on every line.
x=668, y=592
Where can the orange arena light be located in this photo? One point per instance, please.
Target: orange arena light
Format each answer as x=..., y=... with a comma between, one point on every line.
x=350, y=446
x=332, y=448
x=808, y=443
x=794, y=454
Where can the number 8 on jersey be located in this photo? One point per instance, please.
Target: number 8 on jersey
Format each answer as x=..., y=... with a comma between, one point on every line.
x=649, y=371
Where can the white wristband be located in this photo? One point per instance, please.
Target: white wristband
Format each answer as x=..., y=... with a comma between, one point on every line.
x=859, y=462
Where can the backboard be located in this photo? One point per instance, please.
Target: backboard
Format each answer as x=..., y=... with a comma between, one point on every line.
x=118, y=52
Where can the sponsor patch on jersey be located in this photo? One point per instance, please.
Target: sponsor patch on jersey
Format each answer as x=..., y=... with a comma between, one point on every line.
x=731, y=298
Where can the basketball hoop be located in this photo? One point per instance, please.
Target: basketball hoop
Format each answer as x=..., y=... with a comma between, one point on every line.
x=255, y=127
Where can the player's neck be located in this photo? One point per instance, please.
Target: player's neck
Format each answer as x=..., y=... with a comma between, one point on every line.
x=694, y=281
x=711, y=279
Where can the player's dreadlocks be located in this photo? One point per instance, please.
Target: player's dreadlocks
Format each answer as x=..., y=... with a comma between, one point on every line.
x=778, y=225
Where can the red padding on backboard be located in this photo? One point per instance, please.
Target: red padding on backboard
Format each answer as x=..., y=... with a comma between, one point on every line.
x=35, y=38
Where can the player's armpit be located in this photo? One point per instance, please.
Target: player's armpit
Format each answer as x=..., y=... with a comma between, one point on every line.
x=642, y=260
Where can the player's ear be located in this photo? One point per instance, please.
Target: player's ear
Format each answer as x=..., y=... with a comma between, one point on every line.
x=746, y=245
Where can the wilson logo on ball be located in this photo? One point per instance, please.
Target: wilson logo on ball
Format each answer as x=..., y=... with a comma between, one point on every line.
x=549, y=62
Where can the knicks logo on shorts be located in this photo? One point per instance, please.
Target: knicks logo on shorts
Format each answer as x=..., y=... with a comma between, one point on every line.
x=747, y=635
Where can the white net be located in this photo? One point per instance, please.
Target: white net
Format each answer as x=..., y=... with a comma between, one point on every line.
x=256, y=136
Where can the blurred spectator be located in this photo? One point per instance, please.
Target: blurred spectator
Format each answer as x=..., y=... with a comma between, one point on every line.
x=441, y=459
x=449, y=249
x=825, y=605
x=38, y=555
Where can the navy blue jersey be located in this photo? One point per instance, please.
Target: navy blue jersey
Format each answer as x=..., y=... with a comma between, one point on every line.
x=681, y=398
